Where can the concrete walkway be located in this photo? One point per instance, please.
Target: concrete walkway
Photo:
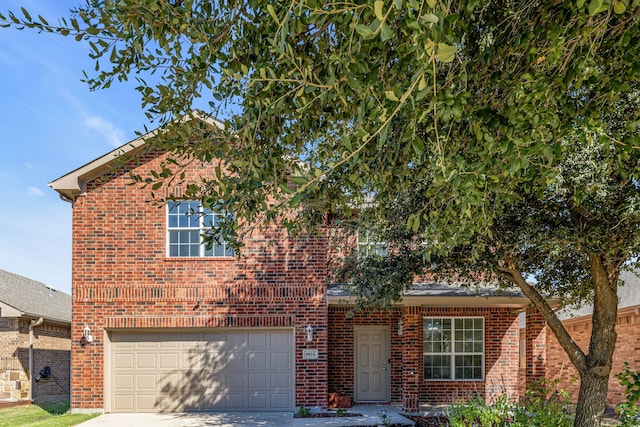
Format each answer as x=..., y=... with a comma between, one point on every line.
x=371, y=416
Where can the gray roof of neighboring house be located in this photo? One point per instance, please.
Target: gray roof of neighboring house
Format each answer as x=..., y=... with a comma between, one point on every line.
x=33, y=298
x=628, y=296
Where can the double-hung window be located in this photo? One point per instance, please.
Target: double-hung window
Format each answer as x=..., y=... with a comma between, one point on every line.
x=453, y=348
x=370, y=245
x=187, y=222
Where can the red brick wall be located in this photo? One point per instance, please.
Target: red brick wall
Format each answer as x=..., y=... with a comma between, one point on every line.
x=627, y=350
x=123, y=279
x=501, y=354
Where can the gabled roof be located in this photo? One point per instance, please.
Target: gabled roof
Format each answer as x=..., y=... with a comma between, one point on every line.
x=628, y=296
x=24, y=297
x=445, y=295
x=73, y=184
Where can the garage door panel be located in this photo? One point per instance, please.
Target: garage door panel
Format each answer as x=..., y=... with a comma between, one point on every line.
x=280, y=339
x=280, y=379
x=196, y=371
x=146, y=361
x=149, y=382
x=258, y=360
x=236, y=340
x=280, y=360
x=236, y=381
x=169, y=360
x=124, y=402
x=258, y=340
x=258, y=400
x=123, y=360
x=234, y=361
x=236, y=402
x=280, y=401
x=148, y=402
x=257, y=380
x=123, y=382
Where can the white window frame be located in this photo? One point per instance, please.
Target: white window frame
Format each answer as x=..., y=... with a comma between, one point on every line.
x=201, y=228
x=368, y=247
x=452, y=353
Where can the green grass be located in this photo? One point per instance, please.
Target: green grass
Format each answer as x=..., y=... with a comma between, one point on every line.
x=41, y=415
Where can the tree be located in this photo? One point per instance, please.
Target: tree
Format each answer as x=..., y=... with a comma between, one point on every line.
x=512, y=122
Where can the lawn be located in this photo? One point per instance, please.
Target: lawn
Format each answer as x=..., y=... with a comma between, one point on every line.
x=41, y=415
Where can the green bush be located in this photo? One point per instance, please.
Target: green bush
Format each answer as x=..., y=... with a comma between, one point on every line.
x=543, y=406
x=628, y=411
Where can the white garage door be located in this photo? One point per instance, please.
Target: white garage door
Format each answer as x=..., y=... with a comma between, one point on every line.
x=229, y=370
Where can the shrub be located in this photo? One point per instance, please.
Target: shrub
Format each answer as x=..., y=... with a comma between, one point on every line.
x=628, y=411
x=544, y=405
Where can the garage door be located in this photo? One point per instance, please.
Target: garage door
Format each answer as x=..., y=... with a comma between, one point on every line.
x=230, y=370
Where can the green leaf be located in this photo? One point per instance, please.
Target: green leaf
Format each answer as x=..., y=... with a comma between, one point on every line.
x=619, y=7
x=365, y=32
x=300, y=180
x=385, y=33
x=391, y=96
x=446, y=53
x=273, y=14
x=377, y=7
x=26, y=14
x=595, y=6
x=430, y=18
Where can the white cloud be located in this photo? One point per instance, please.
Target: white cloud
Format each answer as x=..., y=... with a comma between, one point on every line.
x=113, y=135
x=33, y=191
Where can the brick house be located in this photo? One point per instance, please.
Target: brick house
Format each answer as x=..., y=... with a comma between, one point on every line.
x=35, y=346
x=578, y=324
x=176, y=326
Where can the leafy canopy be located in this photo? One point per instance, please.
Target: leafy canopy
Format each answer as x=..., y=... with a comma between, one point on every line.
x=471, y=105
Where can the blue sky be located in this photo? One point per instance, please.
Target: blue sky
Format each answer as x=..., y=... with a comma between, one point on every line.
x=50, y=125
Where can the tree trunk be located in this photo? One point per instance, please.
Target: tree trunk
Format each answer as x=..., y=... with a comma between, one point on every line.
x=594, y=378
x=591, y=400
x=595, y=367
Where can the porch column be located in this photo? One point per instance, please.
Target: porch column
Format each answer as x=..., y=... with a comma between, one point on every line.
x=535, y=346
x=411, y=358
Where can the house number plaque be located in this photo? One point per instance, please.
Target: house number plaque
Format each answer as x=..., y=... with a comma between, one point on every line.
x=310, y=354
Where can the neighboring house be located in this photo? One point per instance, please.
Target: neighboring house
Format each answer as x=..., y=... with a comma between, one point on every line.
x=578, y=324
x=35, y=346
x=174, y=326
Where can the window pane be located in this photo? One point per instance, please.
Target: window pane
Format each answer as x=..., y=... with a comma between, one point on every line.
x=218, y=250
x=466, y=351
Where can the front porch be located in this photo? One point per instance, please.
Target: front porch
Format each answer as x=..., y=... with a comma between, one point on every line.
x=436, y=348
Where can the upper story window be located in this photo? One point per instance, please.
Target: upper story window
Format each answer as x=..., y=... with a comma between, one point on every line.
x=187, y=222
x=370, y=245
x=453, y=348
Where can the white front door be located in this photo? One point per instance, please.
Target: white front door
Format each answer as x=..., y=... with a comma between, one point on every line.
x=372, y=364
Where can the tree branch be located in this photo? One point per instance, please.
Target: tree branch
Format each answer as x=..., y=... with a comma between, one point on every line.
x=575, y=353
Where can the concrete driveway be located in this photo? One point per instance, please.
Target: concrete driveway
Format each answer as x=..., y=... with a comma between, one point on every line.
x=370, y=415
x=195, y=419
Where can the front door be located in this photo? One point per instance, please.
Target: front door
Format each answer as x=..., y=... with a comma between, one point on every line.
x=372, y=364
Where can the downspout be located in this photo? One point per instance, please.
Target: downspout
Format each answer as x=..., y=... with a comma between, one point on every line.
x=32, y=324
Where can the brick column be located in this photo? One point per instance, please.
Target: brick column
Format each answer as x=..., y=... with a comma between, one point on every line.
x=411, y=359
x=535, y=346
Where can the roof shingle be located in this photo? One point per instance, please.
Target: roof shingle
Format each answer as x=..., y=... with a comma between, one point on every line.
x=34, y=298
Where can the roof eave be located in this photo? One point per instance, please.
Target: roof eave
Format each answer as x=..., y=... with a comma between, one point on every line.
x=513, y=302
x=73, y=184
